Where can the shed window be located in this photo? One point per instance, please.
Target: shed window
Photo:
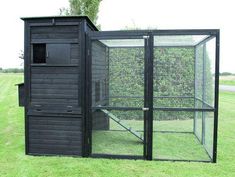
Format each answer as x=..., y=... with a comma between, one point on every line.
x=97, y=91
x=39, y=53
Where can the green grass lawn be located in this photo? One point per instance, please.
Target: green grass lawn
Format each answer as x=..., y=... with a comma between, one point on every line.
x=227, y=82
x=180, y=146
x=14, y=163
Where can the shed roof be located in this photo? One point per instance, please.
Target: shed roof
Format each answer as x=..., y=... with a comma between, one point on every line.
x=61, y=17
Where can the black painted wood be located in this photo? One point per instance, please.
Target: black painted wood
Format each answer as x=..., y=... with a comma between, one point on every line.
x=53, y=88
x=21, y=93
x=62, y=134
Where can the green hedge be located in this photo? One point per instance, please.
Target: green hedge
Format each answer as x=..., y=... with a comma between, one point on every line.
x=173, y=76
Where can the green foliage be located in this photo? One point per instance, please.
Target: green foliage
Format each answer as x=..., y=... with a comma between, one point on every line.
x=173, y=72
x=126, y=69
x=12, y=70
x=126, y=78
x=89, y=8
x=173, y=76
x=226, y=74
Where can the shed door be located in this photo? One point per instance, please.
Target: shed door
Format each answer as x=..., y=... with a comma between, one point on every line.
x=58, y=54
x=118, y=109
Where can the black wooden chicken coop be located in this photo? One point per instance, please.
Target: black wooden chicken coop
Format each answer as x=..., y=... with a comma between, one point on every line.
x=141, y=94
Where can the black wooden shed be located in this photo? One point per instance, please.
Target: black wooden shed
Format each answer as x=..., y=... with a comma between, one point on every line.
x=142, y=94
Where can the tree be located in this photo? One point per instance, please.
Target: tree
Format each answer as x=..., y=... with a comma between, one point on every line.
x=225, y=74
x=89, y=8
x=21, y=54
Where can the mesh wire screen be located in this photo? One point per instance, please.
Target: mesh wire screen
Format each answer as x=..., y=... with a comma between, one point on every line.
x=209, y=71
x=178, y=40
x=116, y=139
x=173, y=75
x=204, y=94
x=198, y=91
x=126, y=72
x=209, y=132
x=118, y=132
x=174, y=139
x=182, y=78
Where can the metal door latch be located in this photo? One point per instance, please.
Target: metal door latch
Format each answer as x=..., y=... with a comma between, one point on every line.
x=145, y=37
x=145, y=109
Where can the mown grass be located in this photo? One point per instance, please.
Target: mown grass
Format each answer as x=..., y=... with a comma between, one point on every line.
x=181, y=146
x=14, y=163
x=172, y=139
x=227, y=82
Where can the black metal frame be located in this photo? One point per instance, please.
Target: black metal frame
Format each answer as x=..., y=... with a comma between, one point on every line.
x=96, y=36
x=216, y=103
x=148, y=96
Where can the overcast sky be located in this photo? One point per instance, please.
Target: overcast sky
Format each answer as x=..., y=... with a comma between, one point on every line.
x=118, y=14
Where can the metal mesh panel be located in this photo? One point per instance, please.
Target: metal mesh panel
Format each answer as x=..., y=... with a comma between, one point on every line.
x=174, y=139
x=115, y=131
x=209, y=72
x=171, y=67
x=204, y=93
x=126, y=76
x=183, y=97
x=209, y=132
x=178, y=40
x=172, y=121
x=173, y=80
x=198, y=91
x=198, y=125
x=116, y=139
x=182, y=79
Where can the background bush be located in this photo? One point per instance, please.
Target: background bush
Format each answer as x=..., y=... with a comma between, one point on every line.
x=173, y=76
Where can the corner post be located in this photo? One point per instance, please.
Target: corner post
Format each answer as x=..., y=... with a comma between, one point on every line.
x=216, y=103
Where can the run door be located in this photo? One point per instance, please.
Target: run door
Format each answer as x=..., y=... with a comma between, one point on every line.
x=118, y=108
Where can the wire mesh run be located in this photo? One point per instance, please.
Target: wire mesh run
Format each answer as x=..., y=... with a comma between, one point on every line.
x=115, y=131
x=183, y=97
